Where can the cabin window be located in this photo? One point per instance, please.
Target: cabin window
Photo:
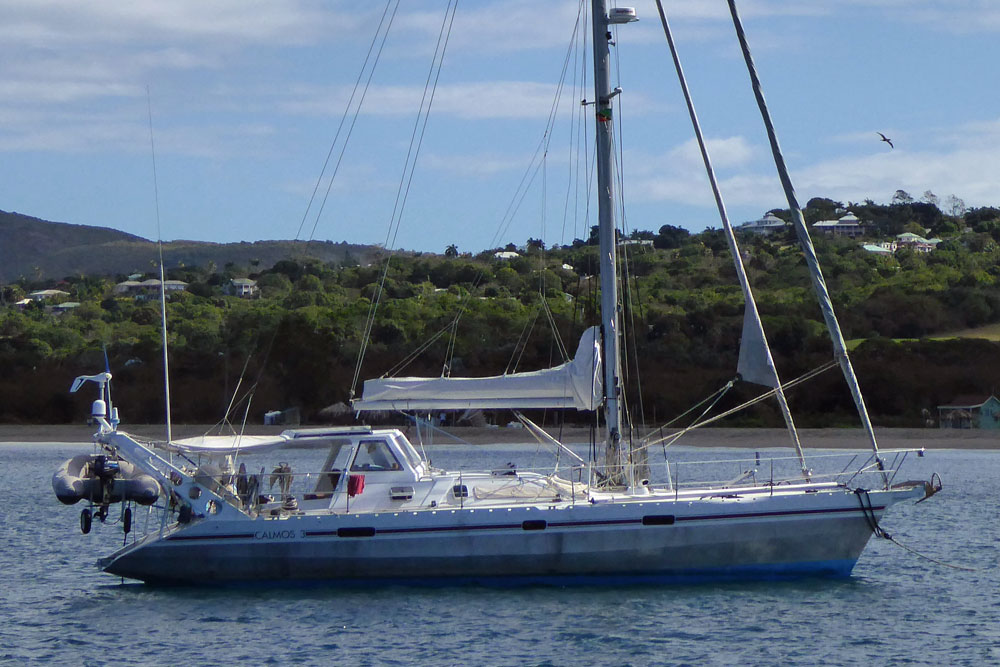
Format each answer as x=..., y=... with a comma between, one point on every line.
x=374, y=456
x=336, y=461
x=409, y=453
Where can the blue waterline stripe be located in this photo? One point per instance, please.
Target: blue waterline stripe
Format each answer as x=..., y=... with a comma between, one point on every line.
x=835, y=569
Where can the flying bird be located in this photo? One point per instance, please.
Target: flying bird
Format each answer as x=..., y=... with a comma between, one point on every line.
x=885, y=139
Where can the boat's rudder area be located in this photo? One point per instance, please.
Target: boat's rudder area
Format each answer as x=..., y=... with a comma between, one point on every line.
x=101, y=480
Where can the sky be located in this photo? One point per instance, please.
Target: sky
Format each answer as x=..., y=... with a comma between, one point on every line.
x=237, y=103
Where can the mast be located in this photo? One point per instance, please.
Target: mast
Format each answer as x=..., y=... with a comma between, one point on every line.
x=610, y=325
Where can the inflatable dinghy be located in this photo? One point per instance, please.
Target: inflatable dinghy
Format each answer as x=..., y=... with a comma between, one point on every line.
x=103, y=480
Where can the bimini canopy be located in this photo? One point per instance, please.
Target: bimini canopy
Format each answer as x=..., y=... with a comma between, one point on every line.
x=235, y=443
x=575, y=384
x=226, y=444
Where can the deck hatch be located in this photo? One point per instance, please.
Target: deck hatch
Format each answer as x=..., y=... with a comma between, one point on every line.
x=401, y=493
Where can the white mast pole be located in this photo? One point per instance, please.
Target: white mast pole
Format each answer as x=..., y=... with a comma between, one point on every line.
x=610, y=328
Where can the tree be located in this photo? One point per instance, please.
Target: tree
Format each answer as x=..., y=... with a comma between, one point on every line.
x=930, y=198
x=820, y=208
x=451, y=251
x=902, y=197
x=671, y=237
x=955, y=205
x=976, y=216
x=309, y=283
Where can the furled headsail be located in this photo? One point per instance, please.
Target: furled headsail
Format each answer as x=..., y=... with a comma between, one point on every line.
x=575, y=384
x=755, y=362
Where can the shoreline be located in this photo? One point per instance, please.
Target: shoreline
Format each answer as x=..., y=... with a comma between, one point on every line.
x=746, y=438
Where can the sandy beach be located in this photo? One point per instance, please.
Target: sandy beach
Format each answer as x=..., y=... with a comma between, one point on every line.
x=889, y=438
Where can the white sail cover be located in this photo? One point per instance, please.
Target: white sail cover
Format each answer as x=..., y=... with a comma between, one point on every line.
x=575, y=384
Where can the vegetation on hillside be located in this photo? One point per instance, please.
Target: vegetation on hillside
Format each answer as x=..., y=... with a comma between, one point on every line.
x=297, y=344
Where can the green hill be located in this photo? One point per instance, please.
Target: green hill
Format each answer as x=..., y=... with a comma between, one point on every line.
x=298, y=341
x=38, y=250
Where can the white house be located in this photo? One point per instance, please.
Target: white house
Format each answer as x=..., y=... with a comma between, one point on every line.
x=766, y=226
x=46, y=294
x=916, y=242
x=146, y=288
x=848, y=225
x=885, y=248
x=64, y=307
x=243, y=287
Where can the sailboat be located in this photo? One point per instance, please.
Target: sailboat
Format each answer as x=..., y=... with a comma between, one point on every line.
x=377, y=510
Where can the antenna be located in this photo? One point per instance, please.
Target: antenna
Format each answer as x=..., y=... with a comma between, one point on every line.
x=163, y=289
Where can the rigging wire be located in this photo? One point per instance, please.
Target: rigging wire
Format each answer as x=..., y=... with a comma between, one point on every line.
x=535, y=165
x=406, y=177
x=521, y=345
x=163, y=293
x=531, y=173
x=570, y=159
x=248, y=396
x=343, y=118
x=766, y=395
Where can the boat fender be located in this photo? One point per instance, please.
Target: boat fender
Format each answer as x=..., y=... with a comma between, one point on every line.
x=85, y=521
x=127, y=520
x=184, y=514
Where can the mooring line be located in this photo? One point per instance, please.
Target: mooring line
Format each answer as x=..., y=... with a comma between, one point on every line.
x=869, y=513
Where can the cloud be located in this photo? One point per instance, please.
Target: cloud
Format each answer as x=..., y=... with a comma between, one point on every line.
x=963, y=161
x=499, y=27
x=954, y=16
x=969, y=173
x=679, y=174
x=479, y=166
x=40, y=23
x=471, y=100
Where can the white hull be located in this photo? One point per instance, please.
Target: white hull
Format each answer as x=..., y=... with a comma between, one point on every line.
x=754, y=535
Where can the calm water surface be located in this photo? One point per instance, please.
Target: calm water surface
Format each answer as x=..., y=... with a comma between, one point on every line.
x=897, y=609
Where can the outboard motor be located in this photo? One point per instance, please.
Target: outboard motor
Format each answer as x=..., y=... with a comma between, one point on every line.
x=106, y=469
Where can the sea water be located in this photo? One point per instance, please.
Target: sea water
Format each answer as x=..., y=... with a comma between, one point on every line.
x=896, y=609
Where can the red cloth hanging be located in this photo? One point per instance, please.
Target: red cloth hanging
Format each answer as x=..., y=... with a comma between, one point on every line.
x=355, y=485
